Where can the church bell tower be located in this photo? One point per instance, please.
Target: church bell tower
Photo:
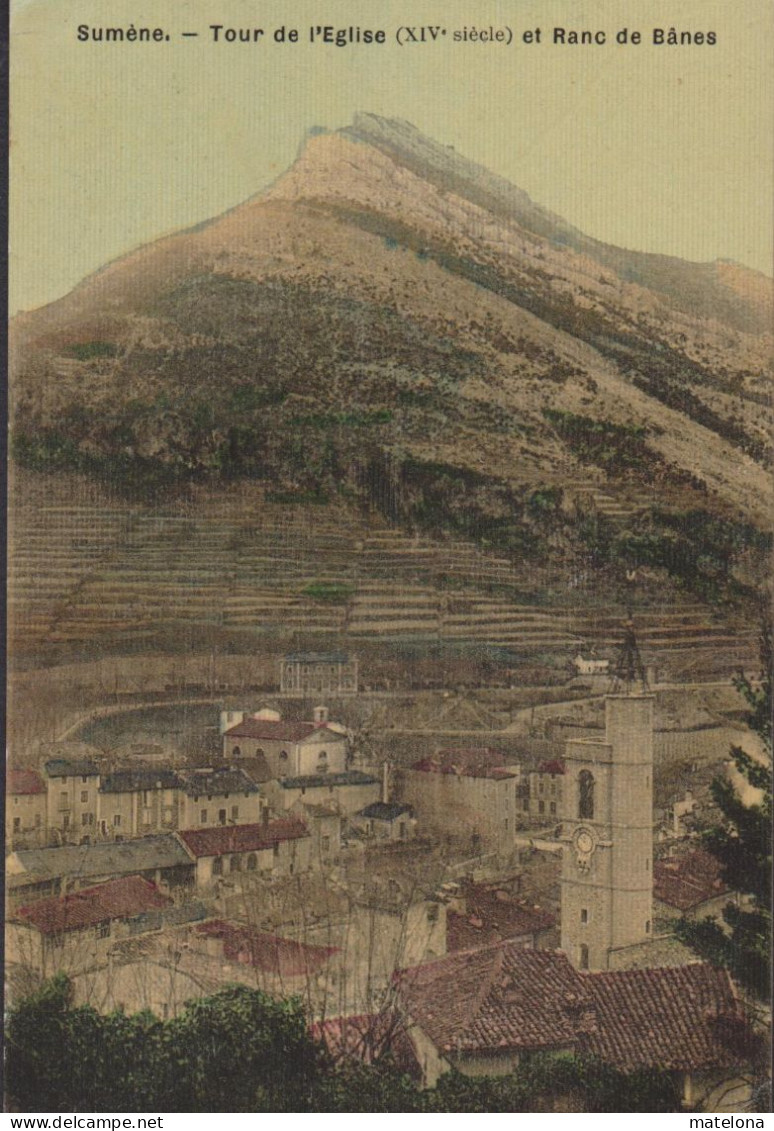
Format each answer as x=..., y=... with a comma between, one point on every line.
x=607, y=826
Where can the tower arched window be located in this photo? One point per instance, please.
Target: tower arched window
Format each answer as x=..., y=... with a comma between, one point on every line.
x=585, y=794
x=217, y=866
x=237, y=752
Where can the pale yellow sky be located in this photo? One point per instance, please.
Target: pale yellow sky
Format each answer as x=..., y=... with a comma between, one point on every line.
x=663, y=148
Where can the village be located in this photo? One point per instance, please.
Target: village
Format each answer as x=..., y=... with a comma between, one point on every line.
x=461, y=907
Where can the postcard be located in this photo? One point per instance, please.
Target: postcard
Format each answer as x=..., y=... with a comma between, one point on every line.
x=390, y=496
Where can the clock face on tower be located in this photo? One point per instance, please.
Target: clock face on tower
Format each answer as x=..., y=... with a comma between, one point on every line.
x=584, y=843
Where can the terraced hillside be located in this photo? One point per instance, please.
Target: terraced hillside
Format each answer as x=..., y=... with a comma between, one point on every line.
x=105, y=576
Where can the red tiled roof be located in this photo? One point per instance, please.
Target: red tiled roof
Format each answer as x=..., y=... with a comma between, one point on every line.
x=497, y=998
x=268, y=953
x=686, y=881
x=493, y=914
x=481, y=762
x=555, y=766
x=502, y=997
x=241, y=838
x=25, y=782
x=678, y=1018
x=366, y=1037
x=270, y=731
x=116, y=899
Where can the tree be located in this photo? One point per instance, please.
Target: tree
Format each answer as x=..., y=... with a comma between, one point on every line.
x=742, y=844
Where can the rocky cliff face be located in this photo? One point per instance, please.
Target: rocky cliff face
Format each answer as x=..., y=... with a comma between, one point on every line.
x=387, y=309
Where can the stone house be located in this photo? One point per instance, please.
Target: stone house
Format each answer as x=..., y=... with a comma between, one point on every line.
x=689, y=884
x=465, y=794
x=385, y=820
x=270, y=848
x=138, y=802
x=288, y=749
x=347, y=792
x=480, y=1011
x=318, y=673
x=75, y=932
x=72, y=786
x=216, y=797
x=26, y=805
x=545, y=791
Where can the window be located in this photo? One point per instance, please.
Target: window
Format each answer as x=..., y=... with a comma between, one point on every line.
x=117, y=821
x=64, y=800
x=84, y=796
x=252, y=862
x=584, y=915
x=583, y=957
x=85, y=780
x=17, y=824
x=283, y=755
x=237, y=752
x=86, y=819
x=585, y=794
x=276, y=850
x=236, y=863
x=65, y=820
x=552, y=807
x=325, y=844
x=103, y=930
x=203, y=816
x=234, y=812
x=16, y=800
x=259, y=752
x=506, y=824
x=647, y=863
x=647, y=926
x=217, y=866
x=221, y=816
x=541, y=806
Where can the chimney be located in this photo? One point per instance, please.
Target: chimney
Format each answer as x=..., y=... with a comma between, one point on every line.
x=320, y=715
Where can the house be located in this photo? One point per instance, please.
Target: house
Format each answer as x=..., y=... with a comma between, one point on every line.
x=347, y=792
x=485, y=913
x=75, y=931
x=480, y=1011
x=385, y=820
x=689, y=884
x=318, y=673
x=34, y=873
x=591, y=665
x=138, y=802
x=222, y=796
x=289, y=749
x=465, y=793
x=278, y=966
x=26, y=803
x=281, y=847
x=72, y=786
x=545, y=790
x=324, y=824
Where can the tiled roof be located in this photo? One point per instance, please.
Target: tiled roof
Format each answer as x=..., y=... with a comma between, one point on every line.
x=222, y=780
x=271, y=731
x=117, y=899
x=312, y=781
x=497, y=998
x=465, y=767
x=555, y=766
x=268, y=953
x=500, y=998
x=71, y=767
x=257, y=769
x=25, y=782
x=687, y=880
x=241, y=838
x=139, y=854
x=493, y=914
x=384, y=810
x=129, y=781
x=678, y=1018
x=368, y=1036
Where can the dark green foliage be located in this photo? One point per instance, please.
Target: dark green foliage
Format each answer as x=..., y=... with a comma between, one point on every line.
x=241, y=1050
x=742, y=843
x=329, y=592
x=617, y=448
x=86, y=351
